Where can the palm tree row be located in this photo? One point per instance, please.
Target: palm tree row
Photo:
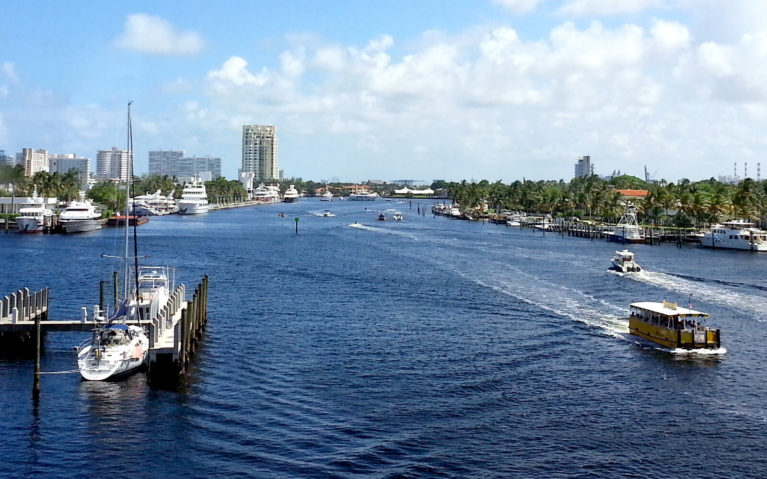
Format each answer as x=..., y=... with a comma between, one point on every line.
x=49, y=185
x=683, y=204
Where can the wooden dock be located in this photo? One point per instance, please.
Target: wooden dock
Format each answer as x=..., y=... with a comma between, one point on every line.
x=174, y=333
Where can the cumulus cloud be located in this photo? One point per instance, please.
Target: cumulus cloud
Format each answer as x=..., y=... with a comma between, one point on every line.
x=582, y=8
x=155, y=35
x=519, y=6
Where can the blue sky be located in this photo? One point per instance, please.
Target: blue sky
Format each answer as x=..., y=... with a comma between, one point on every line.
x=496, y=89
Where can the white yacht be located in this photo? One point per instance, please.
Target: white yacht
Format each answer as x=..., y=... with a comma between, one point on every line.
x=291, y=195
x=327, y=196
x=627, y=230
x=80, y=217
x=266, y=194
x=623, y=261
x=32, y=219
x=154, y=204
x=194, y=199
x=739, y=234
x=363, y=196
x=397, y=216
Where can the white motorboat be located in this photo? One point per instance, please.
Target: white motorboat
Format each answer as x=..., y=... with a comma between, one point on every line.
x=627, y=230
x=266, y=194
x=327, y=213
x=32, y=219
x=327, y=196
x=363, y=196
x=623, y=261
x=397, y=216
x=80, y=217
x=741, y=235
x=291, y=195
x=194, y=199
x=154, y=204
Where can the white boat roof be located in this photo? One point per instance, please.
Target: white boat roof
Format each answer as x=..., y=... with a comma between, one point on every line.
x=667, y=309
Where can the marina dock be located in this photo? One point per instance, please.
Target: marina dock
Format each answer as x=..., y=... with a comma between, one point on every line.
x=174, y=332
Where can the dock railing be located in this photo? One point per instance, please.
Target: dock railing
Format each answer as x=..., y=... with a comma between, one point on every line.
x=23, y=306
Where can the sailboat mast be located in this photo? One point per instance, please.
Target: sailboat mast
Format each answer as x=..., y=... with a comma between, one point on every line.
x=127, y=203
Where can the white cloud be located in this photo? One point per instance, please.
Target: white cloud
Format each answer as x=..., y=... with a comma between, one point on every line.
x=155, y=35
x=519, y=6
x=586, y=8
x=8, y=71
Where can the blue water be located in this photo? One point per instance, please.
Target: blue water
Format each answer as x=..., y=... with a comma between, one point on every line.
x=423, y=348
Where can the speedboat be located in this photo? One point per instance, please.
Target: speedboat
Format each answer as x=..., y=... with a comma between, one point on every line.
x=740, y=235
x=397, y=216
x=291, y=195
x=32, y=219
x=381, y=217
x=327, y=213
x=194, y=199
x=623, y=261
x=80, y=217
x=671, y=326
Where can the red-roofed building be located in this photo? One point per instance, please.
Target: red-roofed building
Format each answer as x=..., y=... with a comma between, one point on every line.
x=633, y=194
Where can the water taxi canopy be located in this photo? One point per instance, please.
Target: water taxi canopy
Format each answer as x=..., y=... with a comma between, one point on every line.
x=666, y=308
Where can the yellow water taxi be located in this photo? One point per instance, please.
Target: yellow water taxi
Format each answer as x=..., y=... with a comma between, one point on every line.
x=672, y=326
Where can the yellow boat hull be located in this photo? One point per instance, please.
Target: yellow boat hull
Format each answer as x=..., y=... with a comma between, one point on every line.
x=674, y=338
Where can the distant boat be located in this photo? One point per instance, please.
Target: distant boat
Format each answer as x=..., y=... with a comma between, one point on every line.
x=32, y=219
x=740, y=235
x=119, y=220
x=80, y=217
x=266, y=194
x=397, y=216
x=291, y=195
x=623, y=261
x=381, y=217
x=326, y=213
x=363, y=196
x=627, y=230
x=194, y=199
x=671, y=326
x=327, y=196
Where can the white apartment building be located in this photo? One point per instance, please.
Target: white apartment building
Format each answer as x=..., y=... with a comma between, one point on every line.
x=113, y=164
x=62, y=163
x=33, y=161
x=259, y=152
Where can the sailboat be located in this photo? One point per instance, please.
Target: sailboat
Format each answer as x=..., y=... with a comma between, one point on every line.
x=119, y=344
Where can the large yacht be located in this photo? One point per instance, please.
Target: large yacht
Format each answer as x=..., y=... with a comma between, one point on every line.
x=32, y=219
x=291, y=195
x=194, y=199
x=266, y=194
x=80, y=217
x=735, y=235
x=363, y=196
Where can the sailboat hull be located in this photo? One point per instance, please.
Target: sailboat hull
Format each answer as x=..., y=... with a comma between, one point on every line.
x=100, y=362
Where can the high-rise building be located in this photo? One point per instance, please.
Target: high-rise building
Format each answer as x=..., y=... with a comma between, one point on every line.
x=113, y=164
x=584, y=167
x=61, y=164
x=259, y=152
x=174, y=164
x=164, y=162
x=33, y=161
x=6, y=160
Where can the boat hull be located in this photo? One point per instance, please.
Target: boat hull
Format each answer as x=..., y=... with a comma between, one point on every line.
x=192, y=208
x=29, y=225
x=112, y=361
x=674, y=338
x=80, y=226
x=742, y=245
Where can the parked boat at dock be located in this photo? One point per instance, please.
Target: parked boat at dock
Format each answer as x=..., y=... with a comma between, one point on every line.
x=33, y=219
x=194, y=199
x=80, y=217
x=741, y=235
x=327, y=196
x=266, y=194
x=671, y=326
x=623, y=261
x=363, y=196
x=627, y=230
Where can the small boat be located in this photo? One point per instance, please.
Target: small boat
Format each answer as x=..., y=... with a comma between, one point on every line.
x=623, y=261
x=327, y=196
x=291, y=195
x=80, y=217
x=671, y=326
x=327, y=213
x=397, y=216
x=194, y=199
x=119, y=220
x=381, y=217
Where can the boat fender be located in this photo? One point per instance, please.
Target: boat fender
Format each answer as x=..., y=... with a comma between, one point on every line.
x=97, y=353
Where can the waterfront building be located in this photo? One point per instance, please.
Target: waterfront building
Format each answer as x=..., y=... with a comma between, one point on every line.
x=113, y=164
x=62, y=163
x=584, y=167
x=6, y=160
x=33, y=161
x=259, y=152
x=174, y=163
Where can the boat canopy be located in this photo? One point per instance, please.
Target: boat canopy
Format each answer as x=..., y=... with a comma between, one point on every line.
x=667, y=309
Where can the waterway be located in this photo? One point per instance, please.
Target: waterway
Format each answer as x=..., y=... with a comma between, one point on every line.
x=428, y=347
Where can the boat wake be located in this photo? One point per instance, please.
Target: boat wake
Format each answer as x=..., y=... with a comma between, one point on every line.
x=696, y=290
x=388, y=231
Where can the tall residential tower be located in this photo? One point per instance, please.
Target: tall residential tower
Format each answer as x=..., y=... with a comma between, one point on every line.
x=259, y=152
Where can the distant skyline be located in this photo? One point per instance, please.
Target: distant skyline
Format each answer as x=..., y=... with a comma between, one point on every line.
x=496, y=90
